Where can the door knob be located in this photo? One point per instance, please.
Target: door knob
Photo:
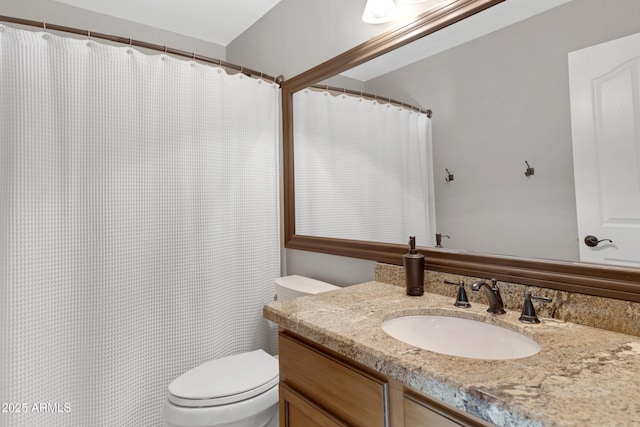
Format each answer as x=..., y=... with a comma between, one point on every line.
x=592, y=241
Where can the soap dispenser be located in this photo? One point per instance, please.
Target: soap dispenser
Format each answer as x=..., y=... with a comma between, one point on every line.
x=414, y=269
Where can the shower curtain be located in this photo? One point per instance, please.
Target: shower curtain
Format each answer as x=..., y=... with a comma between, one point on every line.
x=363, y=169
x=139, y=226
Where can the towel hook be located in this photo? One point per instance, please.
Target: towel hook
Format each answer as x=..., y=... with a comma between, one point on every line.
x=529, y=170
x=449, y=176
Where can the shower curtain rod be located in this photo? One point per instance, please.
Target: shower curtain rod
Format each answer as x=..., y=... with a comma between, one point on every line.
x=131, y=42
x=374, y=97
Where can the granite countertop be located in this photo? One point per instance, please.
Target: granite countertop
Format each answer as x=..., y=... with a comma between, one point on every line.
x=583, y=376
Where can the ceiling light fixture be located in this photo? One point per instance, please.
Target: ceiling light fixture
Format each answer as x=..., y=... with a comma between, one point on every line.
x=379, y=11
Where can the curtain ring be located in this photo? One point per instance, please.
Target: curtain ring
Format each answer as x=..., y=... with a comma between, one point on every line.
x=44, y=25
x=194, y=56
x=89, y=34
x=130, y=41
x=165, y=50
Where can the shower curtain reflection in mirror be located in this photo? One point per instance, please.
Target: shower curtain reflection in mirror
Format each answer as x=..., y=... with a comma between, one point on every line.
x=363, y=169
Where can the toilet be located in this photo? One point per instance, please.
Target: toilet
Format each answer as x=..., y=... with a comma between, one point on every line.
x=239, y=390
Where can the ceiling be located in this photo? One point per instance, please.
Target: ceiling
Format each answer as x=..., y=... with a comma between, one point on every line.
x=215, y=21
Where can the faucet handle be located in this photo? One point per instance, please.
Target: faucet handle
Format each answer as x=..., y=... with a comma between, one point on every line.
x=528, y=314
x=461, y=300
x=496, y=291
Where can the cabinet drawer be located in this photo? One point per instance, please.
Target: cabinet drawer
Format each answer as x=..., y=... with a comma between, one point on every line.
x=420, y=411
x=417, y=415
x=298, y=411
x=355, y=396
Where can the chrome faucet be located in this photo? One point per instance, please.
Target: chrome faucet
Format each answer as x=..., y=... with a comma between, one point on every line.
x=496, y=306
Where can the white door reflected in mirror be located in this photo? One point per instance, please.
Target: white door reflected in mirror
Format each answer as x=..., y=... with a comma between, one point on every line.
x=605, y=106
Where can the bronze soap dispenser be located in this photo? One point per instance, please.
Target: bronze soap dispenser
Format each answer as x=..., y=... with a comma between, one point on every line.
x=414, y=269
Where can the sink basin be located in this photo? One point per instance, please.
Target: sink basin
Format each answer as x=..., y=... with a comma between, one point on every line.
x=461, y=337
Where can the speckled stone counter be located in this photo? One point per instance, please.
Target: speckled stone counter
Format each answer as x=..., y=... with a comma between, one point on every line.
x=583, y=376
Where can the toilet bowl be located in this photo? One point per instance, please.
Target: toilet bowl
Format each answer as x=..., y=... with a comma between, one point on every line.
x=234, y=391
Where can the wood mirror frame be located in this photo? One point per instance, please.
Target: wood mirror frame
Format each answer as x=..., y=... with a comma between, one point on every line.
x=591, y=279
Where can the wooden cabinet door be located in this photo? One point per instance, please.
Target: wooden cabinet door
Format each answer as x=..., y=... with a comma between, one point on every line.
x=298, y=411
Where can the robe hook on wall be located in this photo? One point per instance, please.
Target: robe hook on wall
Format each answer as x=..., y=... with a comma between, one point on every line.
x=529, y=170
x=449, y=176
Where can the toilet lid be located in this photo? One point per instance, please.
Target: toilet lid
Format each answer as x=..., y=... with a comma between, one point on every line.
x=305, y=285
x=226, y=380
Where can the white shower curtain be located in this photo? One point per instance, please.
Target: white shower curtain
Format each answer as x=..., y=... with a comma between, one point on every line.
x=363, y=170
x=139, y=226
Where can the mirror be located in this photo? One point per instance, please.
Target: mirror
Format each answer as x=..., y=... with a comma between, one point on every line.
x=520, y=129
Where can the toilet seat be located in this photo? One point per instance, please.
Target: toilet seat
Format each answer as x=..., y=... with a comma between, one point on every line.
x=224, y=381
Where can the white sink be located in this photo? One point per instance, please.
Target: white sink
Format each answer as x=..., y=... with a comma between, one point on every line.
x=461, y=337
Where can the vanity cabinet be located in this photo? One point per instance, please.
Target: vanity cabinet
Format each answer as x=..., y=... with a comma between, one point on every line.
x=319, y=387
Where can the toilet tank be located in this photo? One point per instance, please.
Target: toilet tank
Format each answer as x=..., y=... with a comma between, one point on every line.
x=288, y=287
